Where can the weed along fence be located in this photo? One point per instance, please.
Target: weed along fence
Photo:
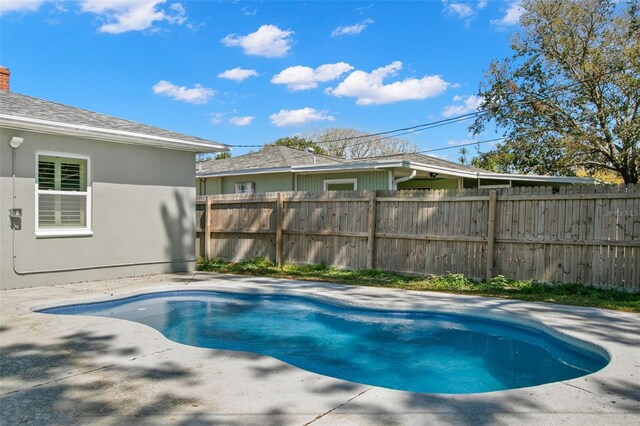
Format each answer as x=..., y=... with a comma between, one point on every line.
x=582, y=234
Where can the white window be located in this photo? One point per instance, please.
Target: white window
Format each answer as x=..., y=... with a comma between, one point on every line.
x=63, y=194
x=245, y=188
x=341, y=184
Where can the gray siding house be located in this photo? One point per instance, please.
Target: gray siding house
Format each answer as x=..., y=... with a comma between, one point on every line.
x=86, y=196
x=280, y=168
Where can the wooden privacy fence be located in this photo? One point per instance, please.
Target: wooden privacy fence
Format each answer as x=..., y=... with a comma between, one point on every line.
x=582, y=234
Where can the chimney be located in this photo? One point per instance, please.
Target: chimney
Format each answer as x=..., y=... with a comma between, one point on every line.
x=4, y=78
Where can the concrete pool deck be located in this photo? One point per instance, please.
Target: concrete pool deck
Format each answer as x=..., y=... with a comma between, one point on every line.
x=58, y=369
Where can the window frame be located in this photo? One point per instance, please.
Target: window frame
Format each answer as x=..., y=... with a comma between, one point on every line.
x=84, y=231
x=328, y=182
x=245, y=183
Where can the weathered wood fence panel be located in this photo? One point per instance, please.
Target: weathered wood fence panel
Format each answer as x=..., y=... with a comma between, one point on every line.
x=582, y=234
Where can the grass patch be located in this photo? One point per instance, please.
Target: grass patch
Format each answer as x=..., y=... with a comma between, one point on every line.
x=566, y=294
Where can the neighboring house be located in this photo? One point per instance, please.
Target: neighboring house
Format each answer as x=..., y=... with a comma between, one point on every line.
x=87, y=196
x=279, y=168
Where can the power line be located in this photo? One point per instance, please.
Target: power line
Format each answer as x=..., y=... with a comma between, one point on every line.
x=407, y=130
x=454, y=146
x=434, y=124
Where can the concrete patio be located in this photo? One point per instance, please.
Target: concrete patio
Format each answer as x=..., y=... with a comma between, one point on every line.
x=77, y=370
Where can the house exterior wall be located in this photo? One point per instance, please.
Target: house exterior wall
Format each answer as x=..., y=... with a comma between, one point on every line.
x=142, y=205
x=265, y=182
x=366, y=180
x=209, y=186
x=429, y=183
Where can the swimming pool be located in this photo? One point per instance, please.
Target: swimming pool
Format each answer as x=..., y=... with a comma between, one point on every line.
x=413, y=351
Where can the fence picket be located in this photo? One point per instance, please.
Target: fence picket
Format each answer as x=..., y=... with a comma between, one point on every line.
x=588, y=235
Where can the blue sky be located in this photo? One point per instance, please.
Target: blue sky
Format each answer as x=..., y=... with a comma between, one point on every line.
x=246, y=73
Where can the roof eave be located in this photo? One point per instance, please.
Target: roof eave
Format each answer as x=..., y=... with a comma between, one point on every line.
x=376, y=165
x=539, y=178
x=373, y=165
x=111, y=135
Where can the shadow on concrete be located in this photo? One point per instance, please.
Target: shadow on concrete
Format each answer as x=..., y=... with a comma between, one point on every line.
x=50, y=384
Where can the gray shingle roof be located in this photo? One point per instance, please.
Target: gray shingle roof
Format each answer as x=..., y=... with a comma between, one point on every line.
x=282, y=157
x=425, y=159
x=271, y=156
x=19, y=105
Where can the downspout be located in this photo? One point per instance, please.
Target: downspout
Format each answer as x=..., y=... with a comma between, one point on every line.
x=80, y=268
x=404, y=179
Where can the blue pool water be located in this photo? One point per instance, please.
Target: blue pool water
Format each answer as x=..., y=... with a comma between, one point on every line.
x=413, y=351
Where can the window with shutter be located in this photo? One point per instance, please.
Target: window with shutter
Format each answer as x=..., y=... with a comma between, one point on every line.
x=63, y=195
x=245, y=188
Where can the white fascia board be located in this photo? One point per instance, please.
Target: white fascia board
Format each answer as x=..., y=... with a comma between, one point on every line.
x=443, y=170
x=348, y=167
x=376, y=165
x=110, y=135
x=245, y=172
x=538, y=178
x=502, y=176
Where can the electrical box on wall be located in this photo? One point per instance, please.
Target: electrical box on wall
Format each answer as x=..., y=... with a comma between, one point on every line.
x=15, y=216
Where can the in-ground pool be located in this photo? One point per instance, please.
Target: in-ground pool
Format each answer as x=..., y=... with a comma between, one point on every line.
x=412, y=351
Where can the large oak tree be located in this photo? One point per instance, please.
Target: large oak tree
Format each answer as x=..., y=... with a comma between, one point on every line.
x=569, y=96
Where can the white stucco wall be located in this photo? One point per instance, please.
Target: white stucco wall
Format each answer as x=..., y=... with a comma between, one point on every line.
x=143, y=204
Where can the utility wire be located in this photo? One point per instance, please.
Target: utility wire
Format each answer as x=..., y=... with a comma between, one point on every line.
x=426, y=126
x=533, y=132
x=475, y=114
x=405, y=130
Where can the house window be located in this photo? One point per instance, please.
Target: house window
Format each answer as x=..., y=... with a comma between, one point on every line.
x=245, y=188
x=341, y=184
x=63, y=195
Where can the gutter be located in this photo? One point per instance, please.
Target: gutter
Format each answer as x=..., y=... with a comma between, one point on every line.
x=404, y=179
x=111, y=135
x=361, y=166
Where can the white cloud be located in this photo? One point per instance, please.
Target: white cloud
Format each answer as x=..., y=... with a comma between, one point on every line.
x=241, y=121
x=369, y=87
x=217, y=117
x=511, y=16
x=247, y=11
x=465, y=10
x=461, y=10
x=304, y=78
x=197, y=95
x=352, y=29
x=465, y=105
x=120, y=16
x=22, y=6
x=238, y=74
x=268, y=41
x=299, y=117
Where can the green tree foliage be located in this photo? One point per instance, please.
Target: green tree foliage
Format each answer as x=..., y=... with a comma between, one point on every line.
x=569, y=96
x=463, y=159
x=299, y=143
x=525, y=156
x=222, y=155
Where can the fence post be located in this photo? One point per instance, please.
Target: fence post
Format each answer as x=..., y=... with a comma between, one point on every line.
x=207, y=228
x=279, y=218
x=371, y=222
x=491, y=233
